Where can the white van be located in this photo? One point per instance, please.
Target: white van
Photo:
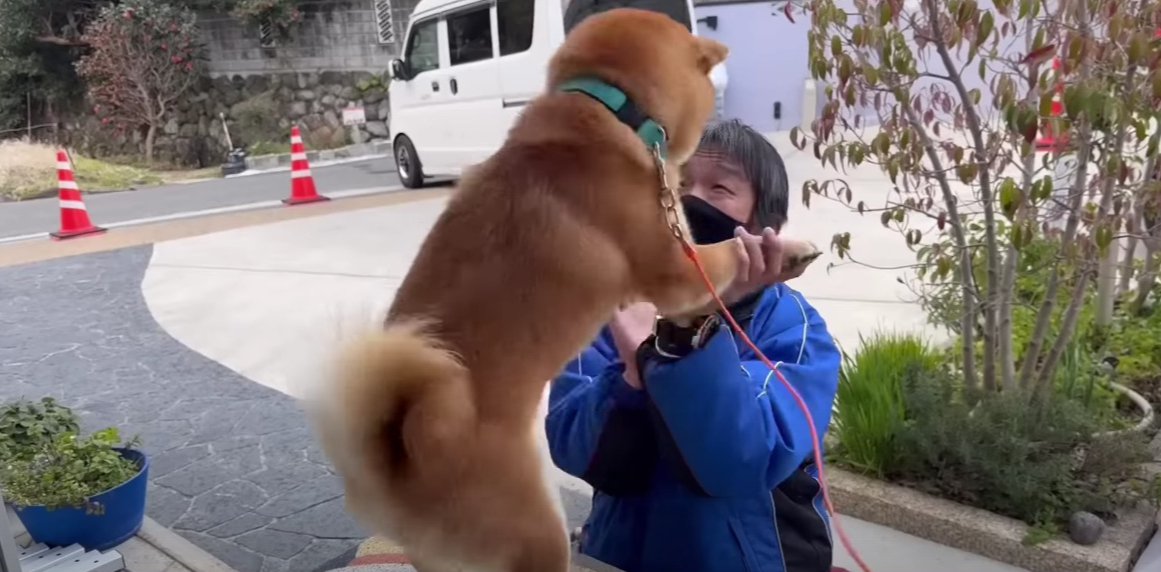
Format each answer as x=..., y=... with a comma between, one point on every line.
x=469, y=67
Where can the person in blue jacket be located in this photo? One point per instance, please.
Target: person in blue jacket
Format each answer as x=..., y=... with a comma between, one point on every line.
x=699, y=457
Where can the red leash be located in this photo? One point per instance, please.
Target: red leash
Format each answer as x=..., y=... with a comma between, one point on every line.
x=692, y=254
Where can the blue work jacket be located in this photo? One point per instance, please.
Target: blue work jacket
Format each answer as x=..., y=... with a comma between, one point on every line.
x=710, y=467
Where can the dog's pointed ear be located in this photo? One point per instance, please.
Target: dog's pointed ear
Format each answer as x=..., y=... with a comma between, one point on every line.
x=710, y=53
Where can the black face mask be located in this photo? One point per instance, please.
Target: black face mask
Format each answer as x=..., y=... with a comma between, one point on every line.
x=707, y=224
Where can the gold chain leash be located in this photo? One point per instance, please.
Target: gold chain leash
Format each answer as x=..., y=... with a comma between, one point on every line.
x=668, y=195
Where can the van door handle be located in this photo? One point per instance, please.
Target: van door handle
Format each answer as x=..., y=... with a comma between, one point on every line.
x=434, y=85
x=455, y=87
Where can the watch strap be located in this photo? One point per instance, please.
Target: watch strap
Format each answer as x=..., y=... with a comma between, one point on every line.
x=673, y=341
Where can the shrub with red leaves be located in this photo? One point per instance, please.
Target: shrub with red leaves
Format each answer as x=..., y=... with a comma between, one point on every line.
x=145, y=55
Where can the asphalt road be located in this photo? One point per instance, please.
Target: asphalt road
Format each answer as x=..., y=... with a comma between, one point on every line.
x=42, y=215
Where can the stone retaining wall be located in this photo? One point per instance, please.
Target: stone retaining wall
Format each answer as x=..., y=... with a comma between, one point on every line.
x=193, y=136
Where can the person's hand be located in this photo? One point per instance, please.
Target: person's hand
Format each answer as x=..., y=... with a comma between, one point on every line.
x=630, y=326
x=760, y=264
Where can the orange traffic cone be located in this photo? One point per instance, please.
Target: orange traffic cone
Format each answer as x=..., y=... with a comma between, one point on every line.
x=1049, y=139
x=74, y=217
x=302, y=189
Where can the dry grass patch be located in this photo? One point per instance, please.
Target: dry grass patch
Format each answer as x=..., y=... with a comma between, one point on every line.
x=28, y=170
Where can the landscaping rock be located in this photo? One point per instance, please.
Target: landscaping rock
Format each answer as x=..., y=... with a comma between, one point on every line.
x=1085, y=528
x=256, y=84
x=377, y=129
x=385, y=111
x=375, y=95
x=297, y=109
x=313, y=121
x=1155, y=447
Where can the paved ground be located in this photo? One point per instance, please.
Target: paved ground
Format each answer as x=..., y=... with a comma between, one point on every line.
x=234, y=467
x=42, y=215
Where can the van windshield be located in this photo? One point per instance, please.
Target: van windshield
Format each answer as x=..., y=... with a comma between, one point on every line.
x=577, y=10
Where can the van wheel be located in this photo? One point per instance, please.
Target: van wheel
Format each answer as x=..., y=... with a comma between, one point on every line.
x=407, y=163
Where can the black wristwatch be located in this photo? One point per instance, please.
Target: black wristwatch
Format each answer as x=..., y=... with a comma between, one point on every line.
x=673, y=341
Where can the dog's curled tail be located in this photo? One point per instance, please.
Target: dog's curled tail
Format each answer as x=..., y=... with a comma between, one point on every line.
x=397, y=397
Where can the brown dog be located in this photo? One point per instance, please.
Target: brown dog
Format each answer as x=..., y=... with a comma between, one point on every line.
x=432, y=422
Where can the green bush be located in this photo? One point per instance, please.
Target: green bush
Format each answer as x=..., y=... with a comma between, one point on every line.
x=26, y=427
x=256, y=121
x=1136, y=343
x=869, y=404
x=1035, y=462
x=44, y=461
x=68, y=472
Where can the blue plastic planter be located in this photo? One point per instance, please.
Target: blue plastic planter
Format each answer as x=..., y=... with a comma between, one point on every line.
x=124, y=511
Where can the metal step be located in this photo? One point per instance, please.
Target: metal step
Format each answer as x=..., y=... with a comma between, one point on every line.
x=40, y=558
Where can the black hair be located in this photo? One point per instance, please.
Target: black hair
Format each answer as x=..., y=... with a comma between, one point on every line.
x=741, y=145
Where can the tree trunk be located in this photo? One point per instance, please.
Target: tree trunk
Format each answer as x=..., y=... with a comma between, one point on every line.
x=1007, y=356
x=150, y=139
x=1047, y=373
x=1148, y=279
x=1107, y=286
x=1107, y=273
x=1128, y=262
x=1028, y=370
x=1147, y=225
x=1048, y=306
x=975, y=128
x=967, y=284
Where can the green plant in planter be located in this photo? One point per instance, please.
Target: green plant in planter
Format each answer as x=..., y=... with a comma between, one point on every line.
x=869, y=404
x=69, y=471
x=27, y=426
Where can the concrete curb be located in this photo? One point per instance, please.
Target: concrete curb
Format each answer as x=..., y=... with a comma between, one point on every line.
x=179, y=549
x=257, y=205
x=358, y=150
x=986, y=534
x=374, y=547
x=164, y=540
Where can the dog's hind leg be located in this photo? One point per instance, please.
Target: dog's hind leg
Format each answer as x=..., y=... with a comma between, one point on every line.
x=546, y=551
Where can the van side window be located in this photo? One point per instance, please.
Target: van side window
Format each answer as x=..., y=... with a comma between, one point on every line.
x=469, y=36
x=423, y=47
x=514, y=19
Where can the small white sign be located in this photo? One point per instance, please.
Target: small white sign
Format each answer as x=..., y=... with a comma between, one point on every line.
x=354, y=116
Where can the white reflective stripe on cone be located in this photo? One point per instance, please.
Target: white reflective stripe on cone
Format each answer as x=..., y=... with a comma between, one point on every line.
x=73, y=205
x=298, y=156
x=69, y=185
x=300, y=174
x=63, y=166
x=294, y=140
